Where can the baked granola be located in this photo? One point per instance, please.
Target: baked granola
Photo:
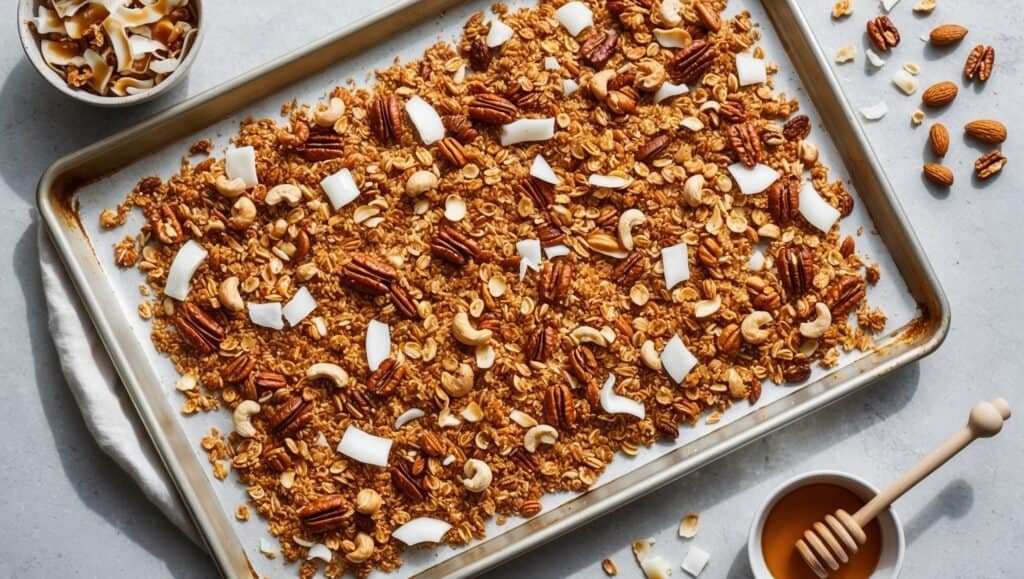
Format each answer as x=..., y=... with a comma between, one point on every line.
x=504, y=369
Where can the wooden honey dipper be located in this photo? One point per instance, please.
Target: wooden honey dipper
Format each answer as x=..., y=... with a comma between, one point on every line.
x=829, y=543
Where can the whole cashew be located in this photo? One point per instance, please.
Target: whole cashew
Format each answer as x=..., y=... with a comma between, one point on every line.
x=229, y=188
x=283, y=192
x=460, y=384
x=752, y=328
x=368, y=501
x=650, y=75
x=228, y=295
x=599, y=84
x=585, y=334
x=420, y=182
x=242, y=418
x=649, y=356
x=479, y=475
x=326, y=116
x=693, y=190
x=243, y=213
x=332, y=372
x=816, y=328
x=465, y=333
x=629, y=219
x=364, y=549
x=538, y=435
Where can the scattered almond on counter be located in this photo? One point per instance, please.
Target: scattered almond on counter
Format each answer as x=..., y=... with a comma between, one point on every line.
x=938, y=137
x=986, y=130
x=947, y=34
x=938, y=174
x=939, y=94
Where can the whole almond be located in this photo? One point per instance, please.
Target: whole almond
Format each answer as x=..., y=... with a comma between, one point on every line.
x=947, y=34
x=986, y=130
x=938, y=174
x=938, y=137
x=939, y=94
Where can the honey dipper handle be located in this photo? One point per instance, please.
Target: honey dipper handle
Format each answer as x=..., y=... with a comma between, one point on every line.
x=986, y=419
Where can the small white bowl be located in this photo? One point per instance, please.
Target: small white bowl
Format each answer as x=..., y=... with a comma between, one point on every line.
x=890, y=561
x=30, y=42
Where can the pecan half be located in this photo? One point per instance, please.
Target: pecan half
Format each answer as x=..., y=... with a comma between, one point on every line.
x=709, y=252
x=479, y=55
x=628, y=271
x=844, y=203
x=652, y=148
x=989, y=164
x=797, y=128
x=461, y=127
x=402, y=299
x=796, y=372
x=784, y=200
x=431, y=445
x=367, y=275
x=385, y=117
x=327, y=513
x=386, y=378
x=583, y=364
x=883, y=33
x=492, y=109
x=666, y=427
x=558, y=407
x=690, y=63
x=555, y=281
x=979, y=63
x=729, y=340
x=357, y=402
x=452, y=151
x=539, y=192
x=199, y=328
x=541, y=344
x=550, y=234
x=795, y=270
x=528, y=99
x=598, y=48
x=523, y=459
x=711, y=20
x=164, y=225
x=258, y=381
x=322, y=144
x=402, y=479
x=291, y=416
x=277, y=458
x=607, y=218
x=238, y=369
x=745, y=141
x=844, y=294
x=732, y=111
x=454, y=246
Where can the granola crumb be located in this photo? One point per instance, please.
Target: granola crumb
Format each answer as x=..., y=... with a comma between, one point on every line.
x=242, y=513
x=871, y=319
x=201, y=147
x=125, y=252
x=872, y=274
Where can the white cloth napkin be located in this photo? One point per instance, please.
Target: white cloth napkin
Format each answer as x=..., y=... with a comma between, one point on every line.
x=105, y=405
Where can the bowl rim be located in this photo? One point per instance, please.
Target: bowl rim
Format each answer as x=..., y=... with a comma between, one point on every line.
x=30, y=43
x=754, y=556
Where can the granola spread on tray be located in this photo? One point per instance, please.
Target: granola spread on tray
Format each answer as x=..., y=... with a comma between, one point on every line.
x=431, y=301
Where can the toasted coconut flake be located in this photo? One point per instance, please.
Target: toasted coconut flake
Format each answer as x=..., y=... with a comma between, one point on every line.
x=421, y=530
x=875, y=60
x=141, y=46
x=543, y=171
x=750, y=70
x=575, y=17
x=165, y=66
x=612, y=403
x=905, y=82
x=472, y=412
x=642, y=549
x=130, y=85
x=668, y=90
x=847, y=53
x=426, y=120
x=522, y=419
x=365, y=448
x=378, y=343
x=608, y=181
x=705, y=308
x=752, y=180
x=115, y=30
x=875, y=112
x=186, y=382
x=816, y=210
x=301, y=305
x=676, y=263
x=688, y=526
x=695, y=561
x=499, y=34
x=186, y=262
x=321, y=552
x=240, y=163
x=266, y=315
x=756, y=261
x=677, y=360
x=54, y=56
x=454, y=208
x=692, y=123
x=68, y=8
x=408, y=416
x=340, y=188
x=656, y=568
x=672, y=37
x=48, y=22
x=569, y=86
x=558, y=250
x=527, y=130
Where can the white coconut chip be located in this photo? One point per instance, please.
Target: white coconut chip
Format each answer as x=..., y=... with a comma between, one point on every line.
x=875, y=60
x=240, y=163
x=875, y=112
x=266, y=315
x=529, y=250
x=816, y=210
x=321, y=440
x=608, y=181
x=756, y=261
x=612, y=403
x=543, y=171
x=569, y=86
x=750, y=70
x=485, y=356
x=340, y=188
x=301, y=305
x=141, y=46
x=668, y=90
x=888, y=5
x=165, y=66
x=499, y=34
x=454, y=208
x=365, y=448
x=677, y=360
x=695, y=561
x=676, y=262
x=575, y=17
x=408, y=416
x=267, y=547
x=421, y=530
x=557, y=250
x=752, y=180
x=320, y=551
x=378, y=344
x=526, y=130
x=905, y=81
x=551, y=63
x=179, y=278
x=426, y=120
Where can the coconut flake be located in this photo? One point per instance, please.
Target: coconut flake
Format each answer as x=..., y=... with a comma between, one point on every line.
x=48, y=22
x=676, y=263
x=695, y=561
x=522, y=419
x=302, y=542
x=888, y=5
x=575, y=17
x=847, y=53
x=543, y=171
x=301, y=305
x=101, y=71
x=240, y=163
x=321, y=440
x=421, y=530
x=130, y=85
x=750, y=70
x=875, y=60
x=499, y=34
x=668, y=90
x=529, y=251
x=364, y=447
x=754, y=179
x=454, y=208
x=875, y=112
x=557, y=250
x=612, y=403
x=266, y=315
x=165, y=66
x=267, y=547
x=408, y=416
x=525, y=130
x=677, y=360
x=656, y=567
x=608, y=181
x=816, y=210
x=672, y=37
x=179, y=278
x=140, y=46
x=114, y=28
x=378, y=344
x=551, y=63
x=426, y=120
x=319, y=551
x=54, y=56
x=340, y=188
x=569, y=86
x=485, y=356
x=688, y=526
x=756, y=261
x=905, y=81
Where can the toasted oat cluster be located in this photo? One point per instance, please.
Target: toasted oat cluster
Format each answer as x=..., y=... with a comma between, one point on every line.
x=436, y=299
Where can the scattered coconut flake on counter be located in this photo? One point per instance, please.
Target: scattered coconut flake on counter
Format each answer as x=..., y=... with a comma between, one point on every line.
x=179, y=278
x=750, y=70
x=340, y=188
x=612, y=403
x=575, y=17
x=847, y=53
x=875, y=112
x=752, y=180
x=558, y=250
x=301, y=305
x=319, y=551
x=672, y=37
x=756, y=261
x=364, y=447
x=816, y=210
x=454, y=208
x=240, y=163
x=426, y=120
x=677, y=360
x=526, y=130
x=888, y=5
x=676, y=262
x=688, y=526
x=905, y=82
x=551, y=63
x=408, y=416
x=608, y=181
x=266, y=315
x=268, y=548
x=421, y=530
x=569, y=86
x=695, y=561
x=543, y=171
x=529, y=251
x=656, y=567
x=875, y=60
x=668, y=90
x=499, y=34
x=912, y=68
x=378, y=344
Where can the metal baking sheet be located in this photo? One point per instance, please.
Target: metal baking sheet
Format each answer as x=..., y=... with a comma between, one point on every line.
x=76, y=188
